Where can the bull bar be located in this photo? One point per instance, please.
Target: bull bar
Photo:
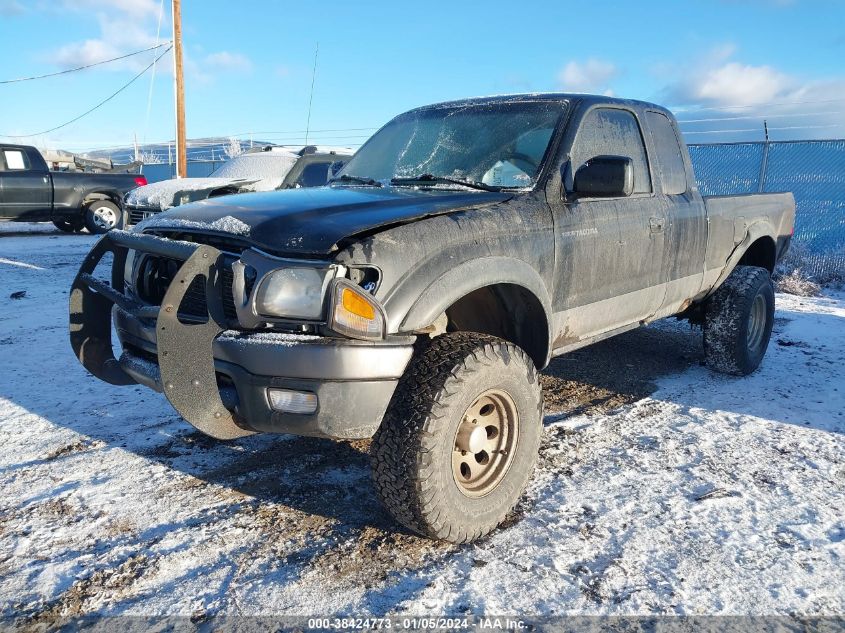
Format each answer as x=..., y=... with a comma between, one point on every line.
x=184, y=350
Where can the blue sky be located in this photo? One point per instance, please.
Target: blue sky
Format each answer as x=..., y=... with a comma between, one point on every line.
x=249, y=63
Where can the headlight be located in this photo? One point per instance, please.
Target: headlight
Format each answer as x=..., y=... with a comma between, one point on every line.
x=355, y=313
x=291, y=292
x=128, y=267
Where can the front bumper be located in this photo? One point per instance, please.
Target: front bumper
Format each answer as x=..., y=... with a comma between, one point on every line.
x=217, y=379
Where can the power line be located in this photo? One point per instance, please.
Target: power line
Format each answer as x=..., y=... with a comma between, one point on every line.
x=755, y=105
x=345, y=129
x=756, y=129
x=153, y=75
x=103, y=102
x=73, y=70
x=761, y=116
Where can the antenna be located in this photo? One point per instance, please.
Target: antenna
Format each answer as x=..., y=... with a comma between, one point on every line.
x=311, y=98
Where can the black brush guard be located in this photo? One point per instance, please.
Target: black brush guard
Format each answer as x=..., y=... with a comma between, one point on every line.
x=184, y=350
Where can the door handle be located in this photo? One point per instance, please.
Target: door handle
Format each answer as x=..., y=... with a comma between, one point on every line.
x=656, y=224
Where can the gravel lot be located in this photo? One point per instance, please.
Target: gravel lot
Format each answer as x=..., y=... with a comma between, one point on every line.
x=661, y=489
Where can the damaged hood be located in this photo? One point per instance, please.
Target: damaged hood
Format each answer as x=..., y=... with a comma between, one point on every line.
x=311, y=221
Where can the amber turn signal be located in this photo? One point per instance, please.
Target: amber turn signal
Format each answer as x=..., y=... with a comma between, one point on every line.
x=356, y=313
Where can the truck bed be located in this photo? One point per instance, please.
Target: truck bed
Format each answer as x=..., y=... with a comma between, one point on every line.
x=742, y=219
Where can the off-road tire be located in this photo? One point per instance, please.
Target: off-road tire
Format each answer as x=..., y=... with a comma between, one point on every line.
x=411, y=455
x=68, y=226
x=729, y=323
x=92, y=209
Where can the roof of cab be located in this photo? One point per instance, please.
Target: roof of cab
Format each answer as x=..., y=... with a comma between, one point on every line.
x=560, y=97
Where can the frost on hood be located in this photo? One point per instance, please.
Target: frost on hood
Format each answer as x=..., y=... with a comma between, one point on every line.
x=249, y=172
x=227, y=224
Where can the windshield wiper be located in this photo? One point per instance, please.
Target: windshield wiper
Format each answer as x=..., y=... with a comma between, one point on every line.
x=356, y=179
x=431, y=178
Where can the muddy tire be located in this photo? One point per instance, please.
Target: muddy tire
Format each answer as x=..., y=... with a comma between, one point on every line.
x=101, y=216
x=460, y=438
x=738, y=321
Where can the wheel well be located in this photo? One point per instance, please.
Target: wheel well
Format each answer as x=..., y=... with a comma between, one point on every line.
x=760, y=253
x=507, y=311
x=111, y=196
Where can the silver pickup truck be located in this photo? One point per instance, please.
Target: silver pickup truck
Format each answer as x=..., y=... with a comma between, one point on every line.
x=415, y=298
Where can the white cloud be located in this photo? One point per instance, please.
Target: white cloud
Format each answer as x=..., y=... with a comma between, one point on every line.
x=9, y=8
x=723, y=98
x=125, y=26
x=718, y=79
x=134, y=8
x=735, y=83
x=593, y=75
x=228, y=61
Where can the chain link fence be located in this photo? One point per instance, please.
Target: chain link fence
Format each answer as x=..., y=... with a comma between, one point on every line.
x=814, y=171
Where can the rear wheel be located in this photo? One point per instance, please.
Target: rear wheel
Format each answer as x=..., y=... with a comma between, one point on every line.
x=460, y=439
x=738, y=321
x=102, y=216
x=68, y=226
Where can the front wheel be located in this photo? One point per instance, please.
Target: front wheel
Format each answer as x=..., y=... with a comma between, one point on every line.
x=738, y=321
x=460, y=439
x=101, y=216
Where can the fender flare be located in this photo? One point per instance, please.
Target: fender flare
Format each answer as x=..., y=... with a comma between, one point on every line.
x=753, y=232
x=408, y=313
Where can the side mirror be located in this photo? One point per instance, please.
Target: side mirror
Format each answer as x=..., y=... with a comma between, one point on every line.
x=605, y=177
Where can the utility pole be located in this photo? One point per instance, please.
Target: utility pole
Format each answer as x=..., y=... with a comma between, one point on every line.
x=179, y=85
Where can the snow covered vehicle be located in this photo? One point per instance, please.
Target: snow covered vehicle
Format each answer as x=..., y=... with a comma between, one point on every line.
x=260, y=169
x=415, y=298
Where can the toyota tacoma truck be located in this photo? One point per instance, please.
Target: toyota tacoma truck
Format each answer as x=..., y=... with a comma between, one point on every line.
x=415, y=298
x=30, y=192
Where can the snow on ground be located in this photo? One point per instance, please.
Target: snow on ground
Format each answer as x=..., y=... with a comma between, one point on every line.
x=10, y=228
x=661, y=488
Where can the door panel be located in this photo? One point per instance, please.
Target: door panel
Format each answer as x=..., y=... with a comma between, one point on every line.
x=686, y=234
x=25, y=193
x=610, y=269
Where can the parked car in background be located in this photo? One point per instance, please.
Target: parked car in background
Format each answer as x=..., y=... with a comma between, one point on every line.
x=260, y=169
x=30, y=192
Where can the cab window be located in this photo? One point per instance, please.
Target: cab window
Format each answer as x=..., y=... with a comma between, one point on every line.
x=15, y=160
x=612, y=132
x=673, y=174
x=314, y=175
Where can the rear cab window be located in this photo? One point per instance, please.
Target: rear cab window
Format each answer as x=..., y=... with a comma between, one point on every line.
x=314, y=175
x=612, y=132
x=670, y=158
x=14, y=160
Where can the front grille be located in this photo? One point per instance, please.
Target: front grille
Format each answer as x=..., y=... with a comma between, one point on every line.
x=154, y=274
x=139, y=214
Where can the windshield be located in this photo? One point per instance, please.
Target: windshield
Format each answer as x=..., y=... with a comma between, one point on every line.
x=496, y=144
x=258, y=166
